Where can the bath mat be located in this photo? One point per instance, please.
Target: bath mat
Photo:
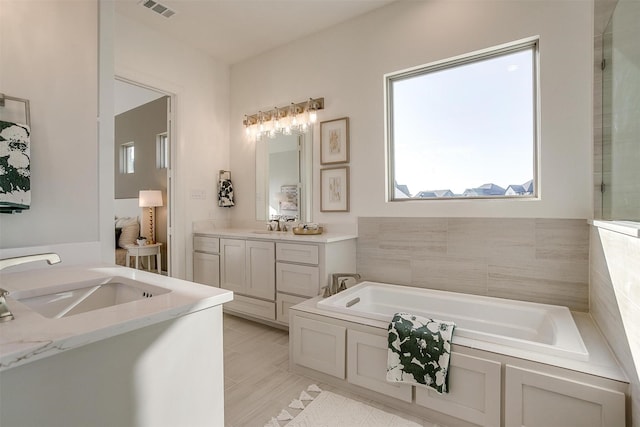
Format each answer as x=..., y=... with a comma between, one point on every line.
x=328, y=409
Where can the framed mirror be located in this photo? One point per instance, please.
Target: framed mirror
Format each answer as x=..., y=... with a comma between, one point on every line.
x=284, y=177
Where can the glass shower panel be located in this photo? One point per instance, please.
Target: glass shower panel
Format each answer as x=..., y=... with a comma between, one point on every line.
x=621, y=114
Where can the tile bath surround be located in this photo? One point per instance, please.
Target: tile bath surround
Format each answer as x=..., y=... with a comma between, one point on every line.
x=530, y=259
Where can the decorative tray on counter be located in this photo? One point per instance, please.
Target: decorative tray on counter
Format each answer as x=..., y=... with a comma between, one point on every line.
x=306, y=231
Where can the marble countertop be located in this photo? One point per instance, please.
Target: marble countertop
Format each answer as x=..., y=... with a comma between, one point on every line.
x=31, y=336
x=276, y=235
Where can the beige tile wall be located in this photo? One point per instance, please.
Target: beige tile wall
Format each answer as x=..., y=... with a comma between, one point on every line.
x=614, y=300
x=539, y=260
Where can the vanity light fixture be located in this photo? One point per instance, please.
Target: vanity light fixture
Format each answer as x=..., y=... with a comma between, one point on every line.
x=283, y=119
x=312, y=111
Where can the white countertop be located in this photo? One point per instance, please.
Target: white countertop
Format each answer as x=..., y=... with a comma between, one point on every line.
x=31, y=336
x=276, y=235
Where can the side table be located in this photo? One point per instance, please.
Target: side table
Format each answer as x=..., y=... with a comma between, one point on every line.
x=146, y=250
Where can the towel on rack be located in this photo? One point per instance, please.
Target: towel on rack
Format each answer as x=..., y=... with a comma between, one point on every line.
x=15, y=168
x=225, y=193
x=419, y=351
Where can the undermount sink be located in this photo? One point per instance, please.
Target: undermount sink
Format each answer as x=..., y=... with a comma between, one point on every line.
x=264, y=232
x=75, y=298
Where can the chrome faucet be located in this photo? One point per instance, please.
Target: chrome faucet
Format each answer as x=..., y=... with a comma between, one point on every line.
x=51, y=258
x=338, y=285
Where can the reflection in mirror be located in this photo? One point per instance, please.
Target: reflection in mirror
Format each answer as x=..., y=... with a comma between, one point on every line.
x=283, y=177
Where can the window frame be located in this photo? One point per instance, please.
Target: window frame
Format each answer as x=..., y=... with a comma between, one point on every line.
x=162, y=150
x=532, y=43
x=124, y=148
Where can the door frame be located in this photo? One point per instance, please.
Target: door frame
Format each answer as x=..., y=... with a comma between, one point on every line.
x=171, y=188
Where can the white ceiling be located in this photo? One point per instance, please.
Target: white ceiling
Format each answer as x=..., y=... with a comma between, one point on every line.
x=233, y=30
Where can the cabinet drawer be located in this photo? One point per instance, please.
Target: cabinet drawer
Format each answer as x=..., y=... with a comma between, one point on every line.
x=303, y=280
x=367, y=365
x=292, y=252
x=206, y=244
x=319, y=345
x=474, y=385
x=283, y=303
x=252, y=307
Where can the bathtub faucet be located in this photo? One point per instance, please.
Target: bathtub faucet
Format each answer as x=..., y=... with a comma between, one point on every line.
x=338, y=285
x=51, y=258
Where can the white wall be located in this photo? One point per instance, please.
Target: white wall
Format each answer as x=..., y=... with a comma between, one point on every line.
x=201, y=88
x=346, y=64
x=36, y=42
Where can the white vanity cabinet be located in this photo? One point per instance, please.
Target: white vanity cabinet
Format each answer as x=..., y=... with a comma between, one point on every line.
x=206, y=260
x=302, y=269
x=297, y=275
x=247, y=267
x=269, y=273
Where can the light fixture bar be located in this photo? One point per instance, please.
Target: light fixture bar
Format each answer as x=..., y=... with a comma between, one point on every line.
x=281, y=112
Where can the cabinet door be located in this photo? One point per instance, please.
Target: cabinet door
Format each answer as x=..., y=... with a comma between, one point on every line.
x=474, y=391
x=318, y=345
x=260, y=278
x=535, y=399
x=232, y=264
x=206, y=269
x=367, y=365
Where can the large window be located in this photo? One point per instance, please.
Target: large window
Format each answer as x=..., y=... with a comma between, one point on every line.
x=465, y=127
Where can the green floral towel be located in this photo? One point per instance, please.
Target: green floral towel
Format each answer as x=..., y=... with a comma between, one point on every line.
x=15, y=169
x=419, y=351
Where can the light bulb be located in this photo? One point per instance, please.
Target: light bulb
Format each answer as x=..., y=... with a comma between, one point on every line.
x=313, y=116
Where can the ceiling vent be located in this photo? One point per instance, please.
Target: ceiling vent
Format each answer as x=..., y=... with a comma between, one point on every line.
x=158, y=8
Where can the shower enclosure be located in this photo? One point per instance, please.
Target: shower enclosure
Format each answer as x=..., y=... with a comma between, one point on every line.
x=621, y=114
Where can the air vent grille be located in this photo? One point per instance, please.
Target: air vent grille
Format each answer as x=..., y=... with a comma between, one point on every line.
x=158, y=8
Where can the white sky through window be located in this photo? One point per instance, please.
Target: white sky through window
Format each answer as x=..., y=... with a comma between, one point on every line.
x=467, y=125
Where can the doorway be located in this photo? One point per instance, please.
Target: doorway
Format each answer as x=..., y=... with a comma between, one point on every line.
x=142, y=161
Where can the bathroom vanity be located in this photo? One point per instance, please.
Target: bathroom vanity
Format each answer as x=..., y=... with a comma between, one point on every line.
x=110, y=346
x=270, y=271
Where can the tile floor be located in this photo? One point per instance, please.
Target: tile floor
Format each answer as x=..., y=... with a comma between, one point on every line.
x=257, y=383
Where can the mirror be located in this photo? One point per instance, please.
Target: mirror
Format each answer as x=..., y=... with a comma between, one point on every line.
x=283, y=177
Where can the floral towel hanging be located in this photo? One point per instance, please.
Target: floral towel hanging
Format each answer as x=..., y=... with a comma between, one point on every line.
x=419, y=351
x=15, y=167
x=225, y=193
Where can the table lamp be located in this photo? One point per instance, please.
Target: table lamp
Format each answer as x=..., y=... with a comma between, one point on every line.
x=150, y=199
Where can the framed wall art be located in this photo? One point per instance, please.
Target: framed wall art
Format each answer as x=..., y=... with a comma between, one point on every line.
x=334, y=141
x=334, y=189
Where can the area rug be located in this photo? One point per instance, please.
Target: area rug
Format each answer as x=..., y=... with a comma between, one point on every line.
x=320, y=408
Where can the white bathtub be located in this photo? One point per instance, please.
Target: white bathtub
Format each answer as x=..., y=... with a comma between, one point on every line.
x=543, y=328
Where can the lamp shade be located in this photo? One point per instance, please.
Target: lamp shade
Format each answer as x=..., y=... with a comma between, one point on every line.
x=150, y=198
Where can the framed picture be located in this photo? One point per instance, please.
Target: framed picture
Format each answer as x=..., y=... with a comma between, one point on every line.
x=334, y=141
x=289, y=198
x=334, y=189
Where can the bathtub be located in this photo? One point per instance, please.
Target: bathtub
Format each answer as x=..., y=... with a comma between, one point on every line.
x=543, y=328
